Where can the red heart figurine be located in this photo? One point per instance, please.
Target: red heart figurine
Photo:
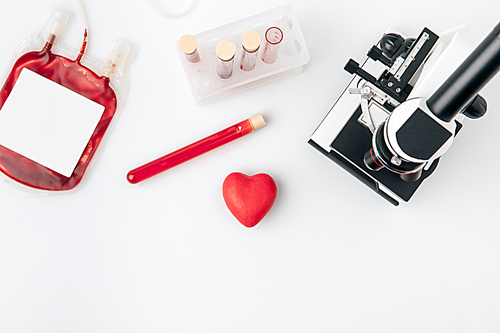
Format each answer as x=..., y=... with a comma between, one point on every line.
x=249, y=198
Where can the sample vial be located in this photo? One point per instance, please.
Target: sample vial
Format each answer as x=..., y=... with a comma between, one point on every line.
x=225, y=51
x=251, y=43
x=188, y=45
x=274, y=36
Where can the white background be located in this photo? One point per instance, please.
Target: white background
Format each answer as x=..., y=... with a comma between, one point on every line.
x=331, y=256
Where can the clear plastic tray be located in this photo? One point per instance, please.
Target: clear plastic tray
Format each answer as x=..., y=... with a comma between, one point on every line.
x=207, y=87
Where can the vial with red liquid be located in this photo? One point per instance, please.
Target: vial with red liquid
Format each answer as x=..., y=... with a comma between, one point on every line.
x=250, y=41
x=189, y=46
x=225, y=51
x=273, y=37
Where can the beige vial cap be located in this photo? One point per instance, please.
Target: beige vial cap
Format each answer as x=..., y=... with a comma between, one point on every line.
x=188, y=44
x=257, y=121
x=225, y=50
x=250, y=40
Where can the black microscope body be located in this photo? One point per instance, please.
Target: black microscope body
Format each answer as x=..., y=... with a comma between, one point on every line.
x=390, y=130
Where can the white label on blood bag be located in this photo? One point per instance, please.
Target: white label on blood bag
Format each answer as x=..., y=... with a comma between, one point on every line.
x=47, y=123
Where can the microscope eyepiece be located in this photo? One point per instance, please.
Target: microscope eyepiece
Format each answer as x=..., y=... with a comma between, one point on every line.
x=468, y=79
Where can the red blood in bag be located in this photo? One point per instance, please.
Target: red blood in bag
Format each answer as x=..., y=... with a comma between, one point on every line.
x=76, y=77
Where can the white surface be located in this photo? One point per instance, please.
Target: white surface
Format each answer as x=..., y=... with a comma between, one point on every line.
x=167, y=256
x=47, y=123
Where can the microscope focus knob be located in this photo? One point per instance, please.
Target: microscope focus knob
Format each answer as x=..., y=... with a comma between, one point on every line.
x=377, y=54
x=351, y=67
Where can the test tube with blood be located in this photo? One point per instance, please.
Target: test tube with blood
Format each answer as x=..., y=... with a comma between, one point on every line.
x=225, y=51
x=189, y=46
x=250, y=42
x=196, y=149
x=274, y=37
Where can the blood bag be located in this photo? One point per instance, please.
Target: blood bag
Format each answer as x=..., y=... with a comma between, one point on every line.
x=56, y=106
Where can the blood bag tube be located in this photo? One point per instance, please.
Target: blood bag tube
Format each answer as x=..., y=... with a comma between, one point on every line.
x=250, y=41
x=274, y=37
x=225, y=51
x=189, y=46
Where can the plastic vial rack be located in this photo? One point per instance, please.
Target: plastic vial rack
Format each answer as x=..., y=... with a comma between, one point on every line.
x=207, y=86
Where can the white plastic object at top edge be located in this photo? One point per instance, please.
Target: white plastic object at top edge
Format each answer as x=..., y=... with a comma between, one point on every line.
x=207, y=87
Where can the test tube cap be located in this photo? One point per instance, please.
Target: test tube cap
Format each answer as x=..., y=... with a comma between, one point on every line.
x=251, y=40
x=188, y=44
x=257, y=121
x=225, y=50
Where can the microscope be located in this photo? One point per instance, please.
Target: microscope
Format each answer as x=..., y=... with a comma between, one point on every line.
x=405, y=105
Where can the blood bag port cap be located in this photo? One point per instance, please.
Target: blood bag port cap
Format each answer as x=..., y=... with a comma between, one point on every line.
x=225, y=50
x=251, y=40
x=116, y=58
x=54, y=26
x=187, y=44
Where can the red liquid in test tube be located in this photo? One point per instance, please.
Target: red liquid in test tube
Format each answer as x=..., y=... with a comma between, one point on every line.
x=274, y=37
x=189, y=46
x=250, y=42
x=225, y=51
x=196, y=149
